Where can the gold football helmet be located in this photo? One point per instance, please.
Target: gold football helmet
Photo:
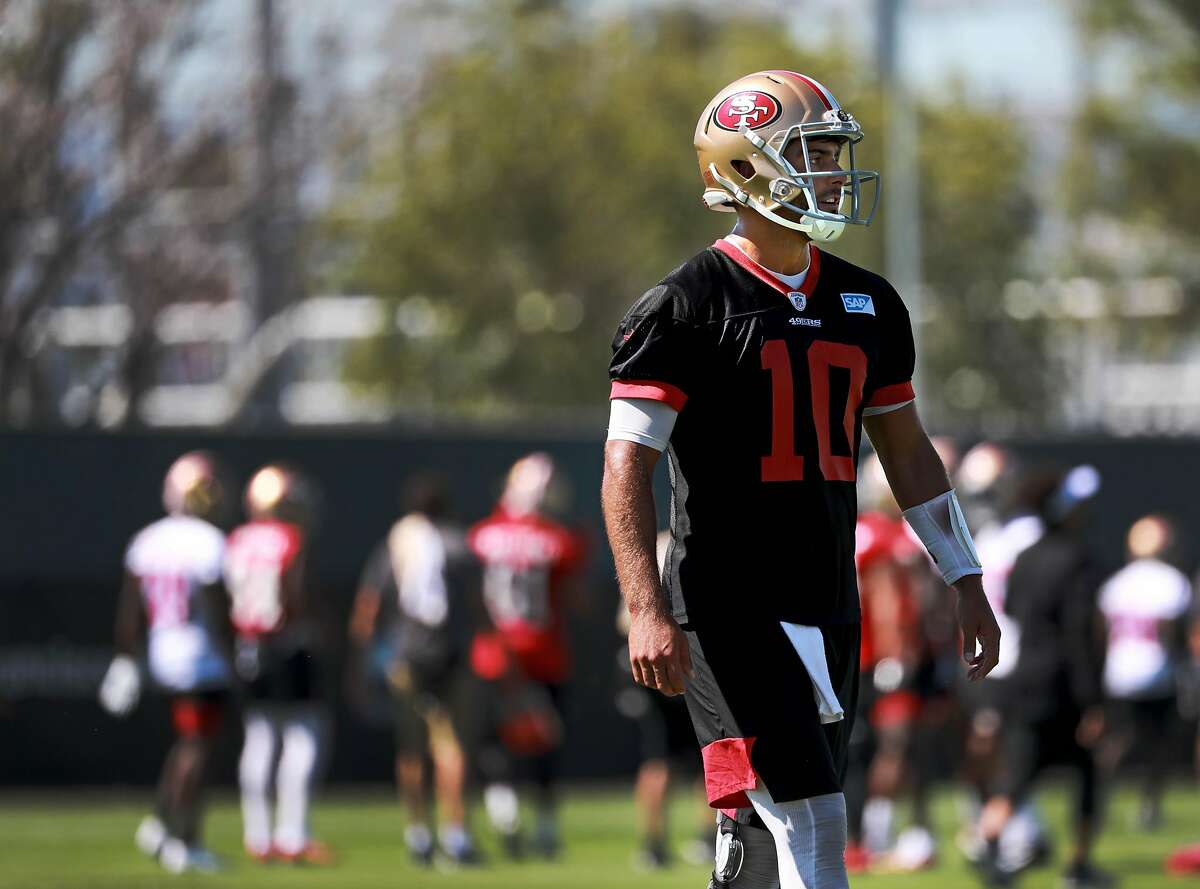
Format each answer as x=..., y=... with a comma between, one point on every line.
x=277, y=491
x=193, y=486
x=754, y=119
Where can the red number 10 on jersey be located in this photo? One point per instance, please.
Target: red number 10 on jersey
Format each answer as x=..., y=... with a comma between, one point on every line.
x=783, y=464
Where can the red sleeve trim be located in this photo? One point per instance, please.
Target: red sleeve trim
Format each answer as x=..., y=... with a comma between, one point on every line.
x=728, y=773
x=663, y=392
x=896, y=394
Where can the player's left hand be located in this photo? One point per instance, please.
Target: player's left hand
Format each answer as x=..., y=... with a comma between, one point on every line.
x=121, y=687
x=978, y=625
x=658, y=653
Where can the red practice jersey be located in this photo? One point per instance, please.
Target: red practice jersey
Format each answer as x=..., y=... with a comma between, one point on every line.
x=886, y=558
x=258, y=558
x=527, y=560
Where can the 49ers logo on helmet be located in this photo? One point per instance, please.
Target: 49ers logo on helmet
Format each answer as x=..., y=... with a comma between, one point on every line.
x=750, y=107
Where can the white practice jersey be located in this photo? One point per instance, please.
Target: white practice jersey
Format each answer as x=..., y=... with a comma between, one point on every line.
x=1135, y=601
x=173, y=559
x=998, y=546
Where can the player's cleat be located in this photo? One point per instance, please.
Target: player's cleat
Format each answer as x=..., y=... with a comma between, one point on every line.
x=203, y=861
x=546, y=841
x=150, y=835
x=858, y=858
x=261, y=856
x=177, y=857
x=698, y=850
x=1149, y=817
x=458, y=848
x=652, y=856
x=914, y=851
x=513, y=845
x=1085, y=875
x=419, y=841
x=1184, y=862
x=990, y=869
x=313, y=853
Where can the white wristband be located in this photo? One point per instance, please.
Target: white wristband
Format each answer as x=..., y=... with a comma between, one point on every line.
x=940, y=525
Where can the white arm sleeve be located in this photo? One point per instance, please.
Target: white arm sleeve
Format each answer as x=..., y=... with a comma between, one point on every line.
x=641, y=420
x=884, y=409
x=940, y=525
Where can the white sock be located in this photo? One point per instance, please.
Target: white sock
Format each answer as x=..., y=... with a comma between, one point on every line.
x=254, y=779
x=455, y=839
x=297, y=764
x=810, y=838
x=418, y=838
x=877, y=823
x=500, y=801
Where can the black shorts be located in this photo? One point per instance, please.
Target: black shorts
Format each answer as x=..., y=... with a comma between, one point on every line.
x=277, y=673
x=755, y=716
x=428, y=703
x=1031, y=747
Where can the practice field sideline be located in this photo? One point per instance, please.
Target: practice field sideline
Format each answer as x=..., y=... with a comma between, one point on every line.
x=84, y=841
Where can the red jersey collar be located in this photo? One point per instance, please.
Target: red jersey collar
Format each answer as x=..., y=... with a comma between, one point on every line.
x=766, y=276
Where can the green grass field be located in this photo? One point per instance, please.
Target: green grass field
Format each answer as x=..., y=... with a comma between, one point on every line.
x=84, y=841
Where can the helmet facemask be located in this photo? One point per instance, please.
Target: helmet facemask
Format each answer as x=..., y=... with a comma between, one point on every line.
x=795, y=190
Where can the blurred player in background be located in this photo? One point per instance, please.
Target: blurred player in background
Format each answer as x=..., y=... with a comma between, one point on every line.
x=892, y=575
x=1185, y=861
x=530, y=564
x=173, y=600
x=1145, y=606
x=1003, y=499
x=412, y=604
x=1053, y=714
x=279, y=645
x=665, y=743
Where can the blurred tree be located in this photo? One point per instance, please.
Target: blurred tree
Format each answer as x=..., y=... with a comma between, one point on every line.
x=1130, y=198
x=977, y=210
x=544, y=177
x=86, y=146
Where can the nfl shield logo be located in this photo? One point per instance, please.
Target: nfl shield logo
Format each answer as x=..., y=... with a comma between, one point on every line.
x=798, y=300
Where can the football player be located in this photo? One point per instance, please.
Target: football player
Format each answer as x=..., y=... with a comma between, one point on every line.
x=1145, y=606
x=1052, y=712
x=530, y=564
x=755, y=364
x=279, y=643
x=413, y=594
x=173, y=600
x=892, y=571
x=1003, y=499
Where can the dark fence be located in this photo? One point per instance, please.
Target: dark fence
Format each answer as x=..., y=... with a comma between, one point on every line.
x=71, y=503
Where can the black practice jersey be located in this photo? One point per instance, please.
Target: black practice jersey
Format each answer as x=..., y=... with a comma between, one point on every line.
x=771, y=385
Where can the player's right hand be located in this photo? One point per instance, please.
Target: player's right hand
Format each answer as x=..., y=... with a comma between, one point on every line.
x=121, y=687
x=658, y=652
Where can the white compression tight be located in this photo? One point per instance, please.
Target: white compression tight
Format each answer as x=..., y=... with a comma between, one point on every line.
x=294, y=732
x=810, y=838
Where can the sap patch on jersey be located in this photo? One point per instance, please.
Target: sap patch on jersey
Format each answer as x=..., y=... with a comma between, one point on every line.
x=858, y=303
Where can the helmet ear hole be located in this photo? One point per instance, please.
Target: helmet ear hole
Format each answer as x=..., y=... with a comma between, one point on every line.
x=743, y=168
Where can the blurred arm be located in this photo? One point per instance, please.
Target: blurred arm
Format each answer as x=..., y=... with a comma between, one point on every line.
x=131, y=619
x=916, y=475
